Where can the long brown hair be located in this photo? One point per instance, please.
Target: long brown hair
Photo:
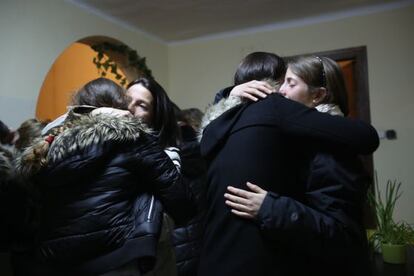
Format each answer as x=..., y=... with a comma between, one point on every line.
x=101, y=92
x=164, y=120
x=323, y=72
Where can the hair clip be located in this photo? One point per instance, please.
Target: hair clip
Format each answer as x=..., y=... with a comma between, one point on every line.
x=323, y=76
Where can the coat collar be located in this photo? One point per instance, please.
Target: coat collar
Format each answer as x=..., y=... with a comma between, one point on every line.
x=218, y=123
x=215, y=111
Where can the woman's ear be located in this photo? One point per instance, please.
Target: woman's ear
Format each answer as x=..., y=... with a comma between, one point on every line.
x=318, y=96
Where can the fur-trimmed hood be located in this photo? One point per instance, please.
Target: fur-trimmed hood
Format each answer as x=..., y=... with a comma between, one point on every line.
x=81, y=132
x=218, y=123
x=214, y=111
x=89, y=130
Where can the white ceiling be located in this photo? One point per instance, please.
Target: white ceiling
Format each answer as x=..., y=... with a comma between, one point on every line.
x=178, y=20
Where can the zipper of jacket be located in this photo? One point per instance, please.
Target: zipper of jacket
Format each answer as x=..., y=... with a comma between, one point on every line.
x=150, y=209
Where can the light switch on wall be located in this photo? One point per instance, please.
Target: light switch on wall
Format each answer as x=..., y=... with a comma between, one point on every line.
x=388, y=134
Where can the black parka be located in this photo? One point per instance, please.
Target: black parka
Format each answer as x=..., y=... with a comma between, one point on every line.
x=187, y=237
x=99, y=195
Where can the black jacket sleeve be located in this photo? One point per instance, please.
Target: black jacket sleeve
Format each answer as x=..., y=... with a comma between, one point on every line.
x=166, y=182
x=333, y=133
x=328, y=223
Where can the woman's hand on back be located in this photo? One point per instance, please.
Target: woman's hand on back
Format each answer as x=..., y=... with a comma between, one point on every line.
x=244, y=203
x=252, y=90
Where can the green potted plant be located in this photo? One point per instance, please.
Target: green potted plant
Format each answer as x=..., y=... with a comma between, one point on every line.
x=393, y=237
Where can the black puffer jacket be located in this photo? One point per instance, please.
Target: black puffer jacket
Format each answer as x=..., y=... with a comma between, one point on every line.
x=97, y=208
x=187, y=237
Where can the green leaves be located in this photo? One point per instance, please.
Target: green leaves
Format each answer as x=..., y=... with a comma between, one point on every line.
x=388, y=231
x=109, y=66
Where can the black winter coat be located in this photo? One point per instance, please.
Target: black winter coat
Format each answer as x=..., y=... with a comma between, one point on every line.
x=98, y=212
x=325, y=230
x=271, y=144
x=187, y=237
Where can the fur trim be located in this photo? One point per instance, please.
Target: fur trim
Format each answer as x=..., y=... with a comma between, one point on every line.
x=214, y=111
x=80, y=132
x=89, y=130
x=225, y=104
x=331, y=109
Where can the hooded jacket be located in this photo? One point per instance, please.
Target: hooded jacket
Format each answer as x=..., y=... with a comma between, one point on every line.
x=329, y=226
x=98, y=194
x=270, y=143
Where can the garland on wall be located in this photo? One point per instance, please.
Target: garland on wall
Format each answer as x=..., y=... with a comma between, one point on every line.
x=107, y=66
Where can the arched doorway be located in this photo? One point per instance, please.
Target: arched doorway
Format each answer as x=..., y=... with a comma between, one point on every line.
x=73, y=68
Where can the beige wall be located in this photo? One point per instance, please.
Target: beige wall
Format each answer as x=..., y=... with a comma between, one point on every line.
x=198, y=69
x=34, y=34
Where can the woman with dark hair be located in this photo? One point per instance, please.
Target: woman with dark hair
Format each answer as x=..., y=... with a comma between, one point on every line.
x=271, y=143
x=98, y=176
x=151, y=103
x=249, y=78
x=187, y=237
x=330, y=229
